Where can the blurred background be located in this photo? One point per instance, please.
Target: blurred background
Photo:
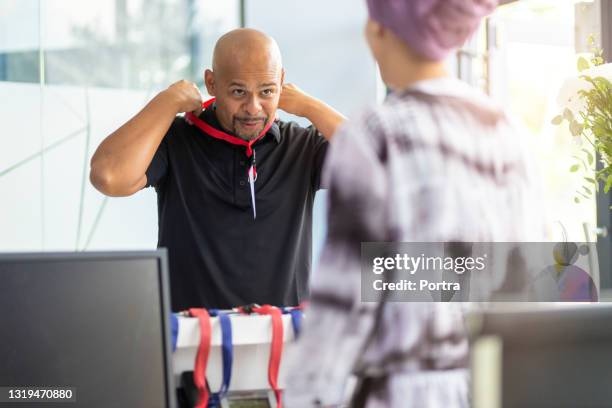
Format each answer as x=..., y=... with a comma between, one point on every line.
x=71, y=72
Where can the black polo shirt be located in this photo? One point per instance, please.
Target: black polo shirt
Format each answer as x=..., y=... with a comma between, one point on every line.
x=219, y=256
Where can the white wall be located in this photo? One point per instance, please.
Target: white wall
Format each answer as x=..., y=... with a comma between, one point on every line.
x=324, y=53
x=47, y=200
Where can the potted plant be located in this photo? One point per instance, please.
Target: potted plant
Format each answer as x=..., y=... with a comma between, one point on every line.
x=587, y=107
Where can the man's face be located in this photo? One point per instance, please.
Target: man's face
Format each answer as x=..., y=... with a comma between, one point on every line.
x=246, y=99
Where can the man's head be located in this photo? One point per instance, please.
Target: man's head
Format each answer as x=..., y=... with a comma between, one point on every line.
x=246, y=79
x=423, y=31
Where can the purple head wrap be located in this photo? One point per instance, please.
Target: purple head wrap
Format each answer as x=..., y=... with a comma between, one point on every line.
x=431, y=28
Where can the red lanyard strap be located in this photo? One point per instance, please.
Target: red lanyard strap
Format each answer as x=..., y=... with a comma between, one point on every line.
x=218, y=134
x=276, y=347
x=199, y=372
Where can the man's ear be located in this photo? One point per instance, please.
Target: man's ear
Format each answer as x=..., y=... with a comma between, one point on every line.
x=282, y=76
x=209, y=81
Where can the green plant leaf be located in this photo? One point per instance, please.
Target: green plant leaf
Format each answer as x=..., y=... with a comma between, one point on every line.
x=576, y=200
x=602, y=82
x=587, y=190
x=567, y=114
x=608, y=184
x=575, y=128
x=580, y=160
x=590, y=157
x=574, y=168
x=583, y=64
x=593, y=181
x=557, y=120
x=583, y=195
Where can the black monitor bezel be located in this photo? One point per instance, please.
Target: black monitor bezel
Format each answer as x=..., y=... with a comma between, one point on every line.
x=160, y=255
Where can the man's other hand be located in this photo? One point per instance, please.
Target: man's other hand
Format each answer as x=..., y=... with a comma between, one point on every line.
x=325, y=118
x=293, y=100
x=187, y=97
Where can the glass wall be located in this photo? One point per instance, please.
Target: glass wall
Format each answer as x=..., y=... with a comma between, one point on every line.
x=70, y=73
x=21, y=215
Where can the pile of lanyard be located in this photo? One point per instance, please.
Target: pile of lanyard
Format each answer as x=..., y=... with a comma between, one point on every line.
x=206, y=399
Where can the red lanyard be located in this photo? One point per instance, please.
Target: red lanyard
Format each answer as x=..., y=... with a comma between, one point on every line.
x=276, y=347
x=276, y=350
x=199, y=372
x=219, y=134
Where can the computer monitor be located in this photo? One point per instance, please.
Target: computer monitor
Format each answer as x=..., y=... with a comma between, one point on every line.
x=96, y=324
x=560, y=356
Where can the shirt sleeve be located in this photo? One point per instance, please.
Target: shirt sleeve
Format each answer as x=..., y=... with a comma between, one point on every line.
x=320, y=152
x=338, y=323
x=158, y=168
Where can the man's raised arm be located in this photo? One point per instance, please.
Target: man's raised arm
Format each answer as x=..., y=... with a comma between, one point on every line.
x=325, y=118
x=119, y=164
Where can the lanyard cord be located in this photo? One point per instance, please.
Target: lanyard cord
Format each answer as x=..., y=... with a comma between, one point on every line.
x=296, y=318
x=227, y=353
x=219, y=134
x=276, y=346
x=199, y=372
x=252, y=179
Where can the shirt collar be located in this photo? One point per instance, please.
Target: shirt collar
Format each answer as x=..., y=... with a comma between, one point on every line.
x=210, y=117
x=446, y=86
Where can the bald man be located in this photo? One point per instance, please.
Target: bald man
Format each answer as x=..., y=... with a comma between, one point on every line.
x=235, y=185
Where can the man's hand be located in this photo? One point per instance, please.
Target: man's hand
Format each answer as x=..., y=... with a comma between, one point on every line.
x=295, y=101
x=186, y=96
x=119, y=165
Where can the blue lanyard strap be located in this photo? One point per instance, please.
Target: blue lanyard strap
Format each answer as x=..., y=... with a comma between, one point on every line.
x=227, y=356
x=174, y=328
x=296, y=319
